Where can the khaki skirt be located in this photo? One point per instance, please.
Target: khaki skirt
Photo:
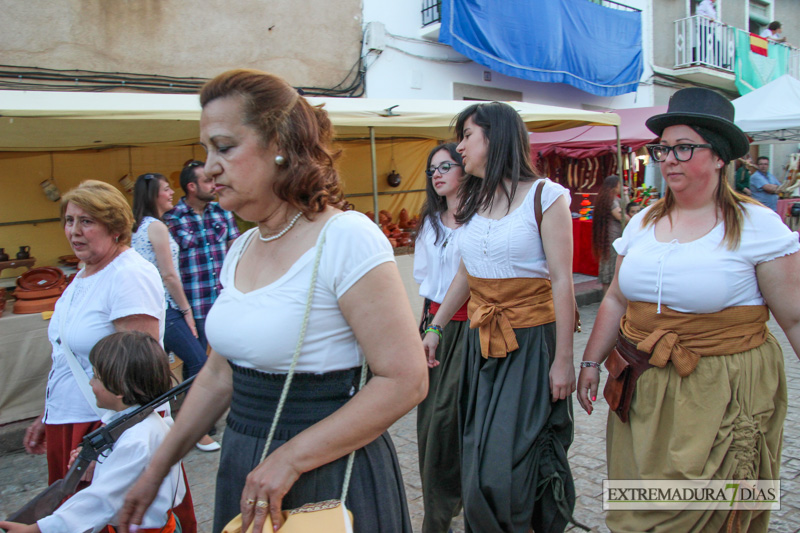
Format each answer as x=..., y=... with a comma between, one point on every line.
x=723, y=421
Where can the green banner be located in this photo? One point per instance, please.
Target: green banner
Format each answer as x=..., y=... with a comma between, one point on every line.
x=755, y=70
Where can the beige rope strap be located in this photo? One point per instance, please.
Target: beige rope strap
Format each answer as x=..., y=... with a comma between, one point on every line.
x=298, y=347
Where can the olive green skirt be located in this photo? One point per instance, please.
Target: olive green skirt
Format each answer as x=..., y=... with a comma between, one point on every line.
x=723, y=421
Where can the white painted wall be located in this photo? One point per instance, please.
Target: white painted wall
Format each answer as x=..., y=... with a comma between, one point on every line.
x=410, y=67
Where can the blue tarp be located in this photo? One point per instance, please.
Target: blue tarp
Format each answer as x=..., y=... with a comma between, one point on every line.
x=596, y=49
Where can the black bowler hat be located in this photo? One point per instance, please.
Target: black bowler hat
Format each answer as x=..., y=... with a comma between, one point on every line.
x=695, y=106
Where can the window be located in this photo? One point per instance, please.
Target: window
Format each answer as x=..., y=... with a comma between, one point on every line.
x=760, y=15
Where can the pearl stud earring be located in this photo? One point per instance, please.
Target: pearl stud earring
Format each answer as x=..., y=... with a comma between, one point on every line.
x=280, y=160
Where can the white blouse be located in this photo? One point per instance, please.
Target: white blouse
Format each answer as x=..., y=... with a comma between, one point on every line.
x=259, y=329
x=701, y=276
x=99, y=503
x=510, y=247
x=129, y=285
x=436, y=264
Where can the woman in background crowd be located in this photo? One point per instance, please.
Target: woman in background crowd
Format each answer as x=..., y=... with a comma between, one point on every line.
x=152, y=197
x=436, y=260
x=606, y=228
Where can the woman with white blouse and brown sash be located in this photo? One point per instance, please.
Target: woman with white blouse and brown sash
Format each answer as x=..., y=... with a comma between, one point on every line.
x=698, y=273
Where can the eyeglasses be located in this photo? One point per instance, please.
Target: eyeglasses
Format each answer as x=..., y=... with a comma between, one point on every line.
x=444, y=168
x=194, y=164
x=682, y=152
x=148, y=177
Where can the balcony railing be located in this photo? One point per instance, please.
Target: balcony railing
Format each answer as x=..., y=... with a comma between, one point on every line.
x=615, y=5
x=431, y=12
x=700, y=41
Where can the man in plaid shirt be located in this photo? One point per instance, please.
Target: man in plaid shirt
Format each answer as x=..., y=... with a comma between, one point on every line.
x=203, y=231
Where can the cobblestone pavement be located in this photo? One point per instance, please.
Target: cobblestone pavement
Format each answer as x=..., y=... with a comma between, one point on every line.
x=21, y=475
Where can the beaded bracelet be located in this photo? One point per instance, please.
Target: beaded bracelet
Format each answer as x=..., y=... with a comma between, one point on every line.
x=435, y=329
x=591, y=364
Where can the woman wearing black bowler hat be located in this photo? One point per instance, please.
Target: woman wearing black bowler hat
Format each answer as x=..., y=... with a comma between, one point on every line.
x=697, y=274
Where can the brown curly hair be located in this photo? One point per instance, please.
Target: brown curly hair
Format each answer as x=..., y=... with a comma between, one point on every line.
x=303, y=133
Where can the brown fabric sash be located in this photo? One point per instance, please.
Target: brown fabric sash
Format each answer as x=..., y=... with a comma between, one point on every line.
x=497, y=306
x=684, y=338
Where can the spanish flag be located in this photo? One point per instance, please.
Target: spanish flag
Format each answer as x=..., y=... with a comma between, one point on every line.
x=758, y=45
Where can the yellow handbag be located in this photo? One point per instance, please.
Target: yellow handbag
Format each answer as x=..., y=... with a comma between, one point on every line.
x=330, y=516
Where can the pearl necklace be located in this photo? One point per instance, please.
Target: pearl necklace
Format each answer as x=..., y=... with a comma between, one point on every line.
x=283, y=232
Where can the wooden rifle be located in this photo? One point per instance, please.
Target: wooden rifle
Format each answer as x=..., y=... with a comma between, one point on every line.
x=94, y=445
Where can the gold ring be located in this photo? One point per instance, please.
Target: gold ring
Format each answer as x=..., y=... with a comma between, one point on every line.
x=250, y=502
x=261, y=504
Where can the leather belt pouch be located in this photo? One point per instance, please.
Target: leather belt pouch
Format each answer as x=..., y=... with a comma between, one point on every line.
x=624, y=364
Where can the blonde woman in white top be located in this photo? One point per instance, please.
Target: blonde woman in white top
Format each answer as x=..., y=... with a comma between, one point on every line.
x=697, y=274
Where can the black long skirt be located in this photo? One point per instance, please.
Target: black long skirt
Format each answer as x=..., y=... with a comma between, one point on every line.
x=514, y=470
x=376, y=495
x=438, y=435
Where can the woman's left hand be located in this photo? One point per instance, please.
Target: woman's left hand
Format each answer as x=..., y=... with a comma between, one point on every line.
x=189, y=318
x=269, y=482
x=562, y=378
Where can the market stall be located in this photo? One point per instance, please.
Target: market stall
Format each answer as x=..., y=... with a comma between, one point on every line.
x=771, y=115
x=56, y=140
x=581, y=158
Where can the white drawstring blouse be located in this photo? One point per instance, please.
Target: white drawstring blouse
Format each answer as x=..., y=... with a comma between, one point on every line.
x=701, y=276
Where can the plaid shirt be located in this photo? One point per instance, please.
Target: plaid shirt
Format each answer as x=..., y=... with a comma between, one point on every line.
x=203, y=245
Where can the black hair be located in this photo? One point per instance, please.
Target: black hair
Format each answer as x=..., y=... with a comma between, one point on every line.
x=629, y=206
x=131, y=364
x=189, y=174
x=145, y=193
x=433, y=202
x=509, y=156
x=759, y=158
x=774, y=25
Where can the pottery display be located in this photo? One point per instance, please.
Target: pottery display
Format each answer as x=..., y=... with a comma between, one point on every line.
x=3, y=255
x=24, y=252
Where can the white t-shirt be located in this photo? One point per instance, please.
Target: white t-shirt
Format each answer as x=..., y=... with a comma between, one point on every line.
x=260, y=329
x=702, y=276
x=510, y=247
x=436, y=264
x=129, y=285
x=97, y=505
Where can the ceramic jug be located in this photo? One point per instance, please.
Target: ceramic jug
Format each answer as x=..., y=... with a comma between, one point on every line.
x=3, y=255
x=24, y=252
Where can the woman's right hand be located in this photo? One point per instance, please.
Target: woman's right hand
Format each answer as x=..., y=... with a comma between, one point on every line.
x=588, y=381
x=189, y=318
x=35, y=441
x=138, y=500
x=430, y=342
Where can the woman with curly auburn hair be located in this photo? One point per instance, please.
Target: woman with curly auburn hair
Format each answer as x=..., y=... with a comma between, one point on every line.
x=606, y=228
x=269, y=152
